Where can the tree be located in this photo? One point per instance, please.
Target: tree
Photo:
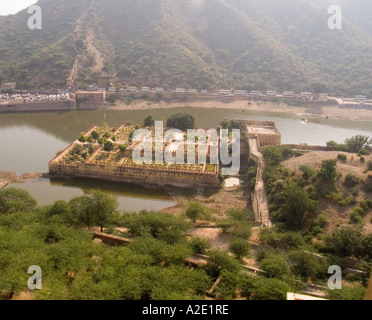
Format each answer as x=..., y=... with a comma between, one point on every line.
x=181, y=121
x=83, y=210
x=95, y=209
x=224, y=124
x=241, y=230
x=272, y=155
x=199, y=245
x=166, y=227
x=122, y=148
x=367, y=247
x=149, y=122
x=296, y=204
x=241, y=215
x=219, y=260
x=14, y=200
x=369, y=165
x=328, y=171
x=94, y=135
x=160, y=251
x=351, y=180
x=59, y=208
x=357, y=293
x=104, y=207
x=239, y=247
x=358, y=142
x=259, y=288
x=196, y=210
x=345, y=241
x=307, y=265
x=108, y=146
x=275, y=266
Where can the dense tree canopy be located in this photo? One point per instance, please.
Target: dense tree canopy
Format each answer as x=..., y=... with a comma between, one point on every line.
x=181, y=121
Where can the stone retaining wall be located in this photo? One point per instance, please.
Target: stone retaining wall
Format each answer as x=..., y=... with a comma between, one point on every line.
x=137, y=176
x=39, y=106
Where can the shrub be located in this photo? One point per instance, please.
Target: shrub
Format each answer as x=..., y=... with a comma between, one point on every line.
x=351, y=180
x=355, y=218
x=14, y=200
x=226, y=290
x=347, y=293
x=306, y=265
x=345, y=241
x=123, y=148
x=362, y=159
x=241, y=215
x=321, y=221
x=364, y=205
x=364, y=152
x=241, y=230
x=100, y=140
x=359, y=210
x=369, y=203
x=149, y=122
x=259, y=288
x=219, y=260
x=82, y=138
x=342, y=157
x=317, y=230
x=181, y=121
x=108, y=146
x=196, y=210
x=275, y=266
x=352, y=277
x=350, y=201
x=369, y=165
x=77, y=149
x=199, y=245
x=94, y=135
x=239, y=247
x=111, y=98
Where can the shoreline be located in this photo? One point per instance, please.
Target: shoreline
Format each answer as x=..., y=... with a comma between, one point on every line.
x=7, y=178
x=332, y=112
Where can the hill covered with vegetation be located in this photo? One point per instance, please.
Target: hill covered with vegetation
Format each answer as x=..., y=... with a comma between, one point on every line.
x=246, y=44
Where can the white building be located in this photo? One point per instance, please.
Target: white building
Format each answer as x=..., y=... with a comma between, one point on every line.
x=224, y=92
x=254, y=93
x=240, y=92
x=271, y=93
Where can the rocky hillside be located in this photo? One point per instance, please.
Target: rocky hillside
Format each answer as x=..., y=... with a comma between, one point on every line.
x=250, y=44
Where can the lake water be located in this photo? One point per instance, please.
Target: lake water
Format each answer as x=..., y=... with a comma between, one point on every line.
x=130, y=198
x=30, y=140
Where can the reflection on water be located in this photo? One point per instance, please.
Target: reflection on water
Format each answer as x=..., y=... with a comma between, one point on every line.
x=130, y=198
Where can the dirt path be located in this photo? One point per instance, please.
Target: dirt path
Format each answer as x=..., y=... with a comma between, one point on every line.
x=91, y=48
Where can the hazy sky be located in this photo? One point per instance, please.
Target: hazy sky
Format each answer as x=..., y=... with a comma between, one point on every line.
x=13, y=6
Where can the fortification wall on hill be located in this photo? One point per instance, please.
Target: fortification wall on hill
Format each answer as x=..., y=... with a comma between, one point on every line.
x=310, y=148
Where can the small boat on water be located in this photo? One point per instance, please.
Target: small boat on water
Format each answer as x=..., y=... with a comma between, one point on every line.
x=303, y=121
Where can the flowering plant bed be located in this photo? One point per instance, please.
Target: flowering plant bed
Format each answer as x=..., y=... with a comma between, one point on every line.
x=124, y=134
